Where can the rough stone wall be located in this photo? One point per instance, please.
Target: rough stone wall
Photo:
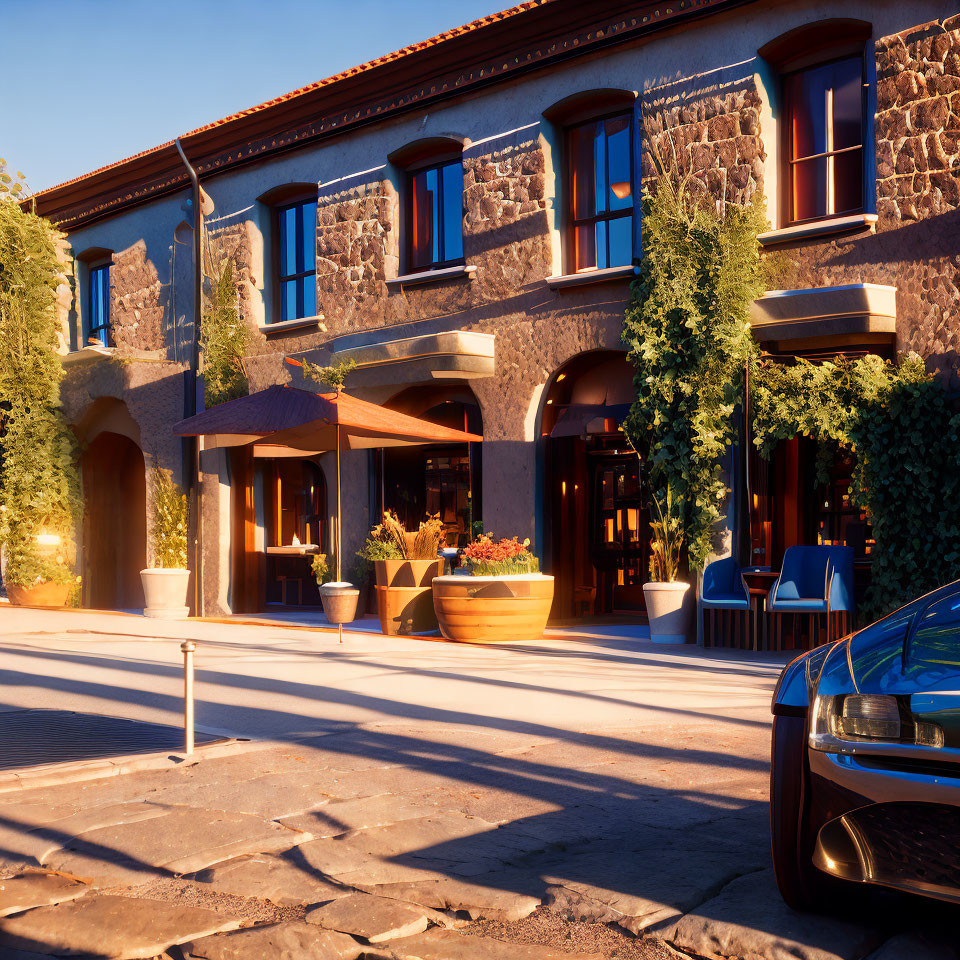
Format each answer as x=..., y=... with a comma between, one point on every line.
x=917, y=244
x=708, y=128
x=240, y=243
x=136, y=301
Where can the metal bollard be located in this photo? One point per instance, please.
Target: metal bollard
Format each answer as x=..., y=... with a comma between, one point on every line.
x=187, y=648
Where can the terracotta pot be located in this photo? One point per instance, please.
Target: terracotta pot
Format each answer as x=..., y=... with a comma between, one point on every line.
x=165, y=593
x=39, y=595
x=406, y=610
x=668, y=610
x=404, y=595
x=407, y=573
x=339, y=601
x=493, y=609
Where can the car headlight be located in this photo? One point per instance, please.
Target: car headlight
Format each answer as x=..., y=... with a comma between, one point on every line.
x=869, y=717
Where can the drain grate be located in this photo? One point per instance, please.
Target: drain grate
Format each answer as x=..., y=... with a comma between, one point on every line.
x=31, y=738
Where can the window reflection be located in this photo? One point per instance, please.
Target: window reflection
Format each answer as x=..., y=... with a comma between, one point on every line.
x=601, y=194
x=298, y=260
x=825, y=131
x=436, y=215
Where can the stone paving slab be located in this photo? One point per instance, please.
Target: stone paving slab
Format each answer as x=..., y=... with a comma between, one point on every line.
x=37, y=890
x=375, y=919
x=918, y=946
x=272, y=797
x=362, y=813
x=657, y=878
x=118, y=928
x=450, y=945
x=281, y=941
x=101, y=873
x=749, y=919
x=282, y=880
x=187, y=839
x=478, y=901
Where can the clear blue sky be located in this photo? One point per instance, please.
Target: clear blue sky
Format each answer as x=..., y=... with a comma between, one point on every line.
x=87, y=82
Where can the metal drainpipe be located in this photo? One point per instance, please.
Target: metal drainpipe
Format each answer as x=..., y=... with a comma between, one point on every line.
x=191, y=445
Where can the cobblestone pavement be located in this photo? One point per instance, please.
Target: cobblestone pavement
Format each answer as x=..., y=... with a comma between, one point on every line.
x=421, y=835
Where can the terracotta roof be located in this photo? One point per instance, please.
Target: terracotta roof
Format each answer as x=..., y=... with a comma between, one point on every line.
x=529, y=36
x=300, y=91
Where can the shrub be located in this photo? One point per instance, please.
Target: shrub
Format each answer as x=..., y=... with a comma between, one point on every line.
x=169, y=521
x=488, y=557
x=320, y=568
x=223, y=337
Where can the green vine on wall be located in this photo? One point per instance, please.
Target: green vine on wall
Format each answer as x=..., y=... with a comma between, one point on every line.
x=224, y=339
x=898, y=422
x=40, y=501
x=688, y=334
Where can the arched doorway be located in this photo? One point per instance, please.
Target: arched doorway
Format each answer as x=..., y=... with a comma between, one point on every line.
x=444, y=479
x=114, y=522
x=596, y=519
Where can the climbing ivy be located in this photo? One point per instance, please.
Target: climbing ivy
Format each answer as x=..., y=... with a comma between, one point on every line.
x=39, y=478
x=898, y=422
x=688, y=335
x=224, y=339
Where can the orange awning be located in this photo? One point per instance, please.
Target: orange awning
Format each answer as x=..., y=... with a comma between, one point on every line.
x=284, y=418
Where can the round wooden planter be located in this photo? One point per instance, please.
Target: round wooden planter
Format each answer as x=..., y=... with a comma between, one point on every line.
x=39, y=595
x=405, y=595
x=493, y=609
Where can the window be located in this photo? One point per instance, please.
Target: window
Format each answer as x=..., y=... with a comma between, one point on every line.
x=297, y=248
x=98, y=329
x=436, y=216
x=824, y=148
x=601, y=194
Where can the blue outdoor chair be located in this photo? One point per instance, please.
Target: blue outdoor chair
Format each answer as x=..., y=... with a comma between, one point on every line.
x=814, y=580
x=724, y=592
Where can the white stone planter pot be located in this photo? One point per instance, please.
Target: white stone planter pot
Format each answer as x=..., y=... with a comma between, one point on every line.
x=668, y=610
x=165, y=592
x=339, y=599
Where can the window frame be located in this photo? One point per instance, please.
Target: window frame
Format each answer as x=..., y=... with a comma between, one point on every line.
x=92, y=332
x=437, y=163
x=788, y=163
x=570, y=222
x=298, y=201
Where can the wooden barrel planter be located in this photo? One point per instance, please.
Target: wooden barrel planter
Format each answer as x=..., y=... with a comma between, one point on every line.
x=493, y=609
x=405, y=595
x=39, y=595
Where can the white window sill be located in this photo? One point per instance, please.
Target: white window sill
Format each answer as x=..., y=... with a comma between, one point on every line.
x=86, y=355
x=285, y=326
x=819, y=228
x=430, y=276
x=559, y=281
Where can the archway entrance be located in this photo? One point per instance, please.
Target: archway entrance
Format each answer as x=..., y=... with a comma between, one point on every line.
x=443, y=479
x=114, y=523
x=596, y=518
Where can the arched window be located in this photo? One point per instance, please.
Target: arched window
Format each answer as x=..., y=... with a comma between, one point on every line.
x=823, y=109
x=598, y=164
x=432, y=204
x=94, y=296
x=294, y=249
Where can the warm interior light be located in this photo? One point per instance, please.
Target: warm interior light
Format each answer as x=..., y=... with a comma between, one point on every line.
x=621, y=189
x=48, y=539
x=563, y=488
x=562, y=376
x=296, y=541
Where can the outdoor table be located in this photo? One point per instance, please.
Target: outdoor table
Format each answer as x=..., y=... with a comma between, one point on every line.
x=758, y=583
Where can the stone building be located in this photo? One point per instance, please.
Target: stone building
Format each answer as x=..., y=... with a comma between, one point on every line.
x=462, y=219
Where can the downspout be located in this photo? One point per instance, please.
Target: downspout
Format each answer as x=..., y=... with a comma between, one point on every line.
x=191, y=445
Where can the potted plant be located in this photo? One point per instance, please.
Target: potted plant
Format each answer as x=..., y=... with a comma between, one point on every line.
x=38, y=570
x=166, y=581
x=405, y=564
x=668, y=607
x=505, y=597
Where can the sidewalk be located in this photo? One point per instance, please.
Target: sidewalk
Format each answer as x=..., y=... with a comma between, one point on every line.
x=582, y=797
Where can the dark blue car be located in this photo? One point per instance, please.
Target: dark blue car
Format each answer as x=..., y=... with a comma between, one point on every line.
x=865, y=772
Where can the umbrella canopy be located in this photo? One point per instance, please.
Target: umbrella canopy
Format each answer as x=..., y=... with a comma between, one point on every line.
x=575, y=419
x=305, y=422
